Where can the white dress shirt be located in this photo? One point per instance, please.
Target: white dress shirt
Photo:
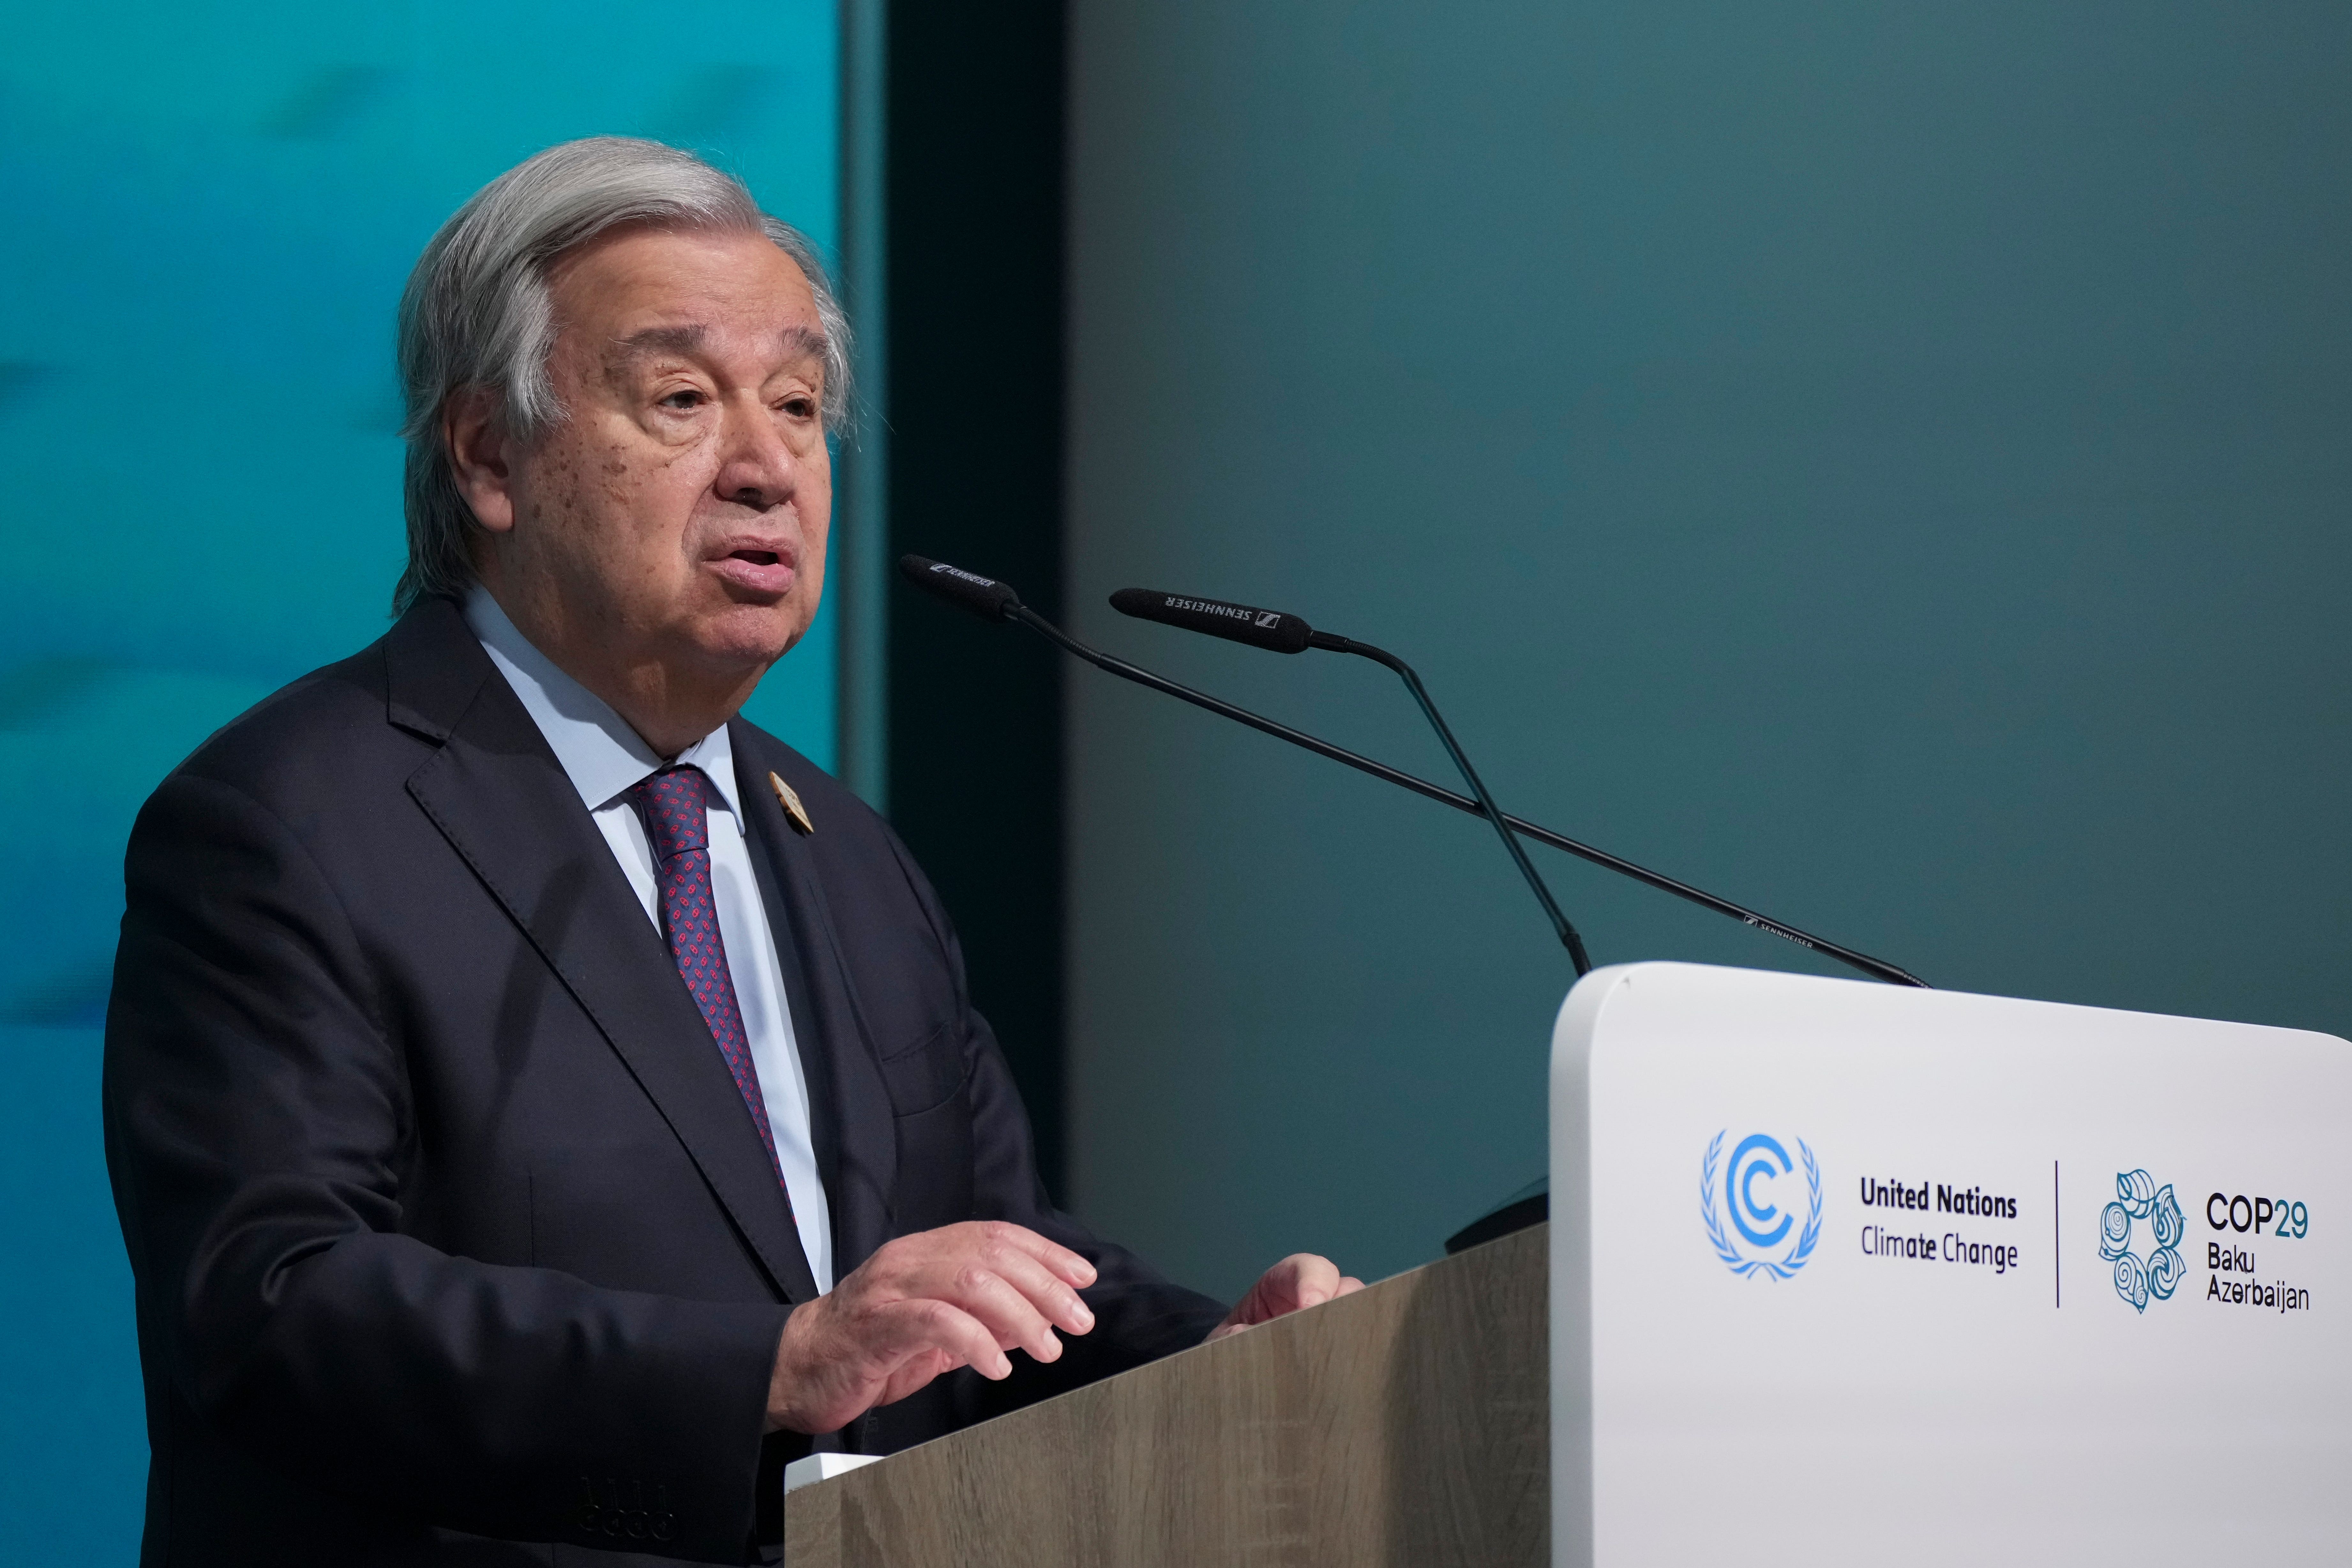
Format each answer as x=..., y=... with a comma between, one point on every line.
x=605, y=759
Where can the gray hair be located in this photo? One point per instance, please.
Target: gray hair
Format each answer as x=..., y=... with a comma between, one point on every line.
x=477, y=313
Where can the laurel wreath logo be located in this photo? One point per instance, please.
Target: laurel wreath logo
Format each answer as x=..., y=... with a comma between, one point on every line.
x=1800, y=1249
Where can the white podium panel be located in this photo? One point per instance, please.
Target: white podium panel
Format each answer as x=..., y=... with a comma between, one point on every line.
x=1850, y=1274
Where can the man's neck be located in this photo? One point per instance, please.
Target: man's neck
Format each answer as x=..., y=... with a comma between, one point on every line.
x=669, y=708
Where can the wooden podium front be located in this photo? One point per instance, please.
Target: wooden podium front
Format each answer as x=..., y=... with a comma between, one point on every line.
x=1406, y=1423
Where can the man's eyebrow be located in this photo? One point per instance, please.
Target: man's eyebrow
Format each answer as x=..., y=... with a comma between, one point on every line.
x=685, y=339
x=804, y=341
x=661, y=340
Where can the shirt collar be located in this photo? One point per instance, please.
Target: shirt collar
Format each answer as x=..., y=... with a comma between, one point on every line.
x=601, y=754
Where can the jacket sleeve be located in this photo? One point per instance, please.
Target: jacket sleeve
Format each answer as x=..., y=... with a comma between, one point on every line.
x=258, y=1120
x=1139, y=1315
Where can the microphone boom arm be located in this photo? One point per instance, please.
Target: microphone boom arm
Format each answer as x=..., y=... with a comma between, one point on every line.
x=1876, y=969
x=1333, y=643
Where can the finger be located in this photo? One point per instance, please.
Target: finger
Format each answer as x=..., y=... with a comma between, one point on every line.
x=911, y=1375
x=1312, y=1280
x=908, y=1329
x=1008, y=1315
x=991, y=1269
x=1070, y=1266
x=1350, y=1285
x=1044, y=1290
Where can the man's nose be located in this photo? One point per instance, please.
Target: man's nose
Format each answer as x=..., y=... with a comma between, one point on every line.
x=757, y=467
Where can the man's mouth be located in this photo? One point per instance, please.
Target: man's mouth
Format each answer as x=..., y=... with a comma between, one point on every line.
x=762, y=573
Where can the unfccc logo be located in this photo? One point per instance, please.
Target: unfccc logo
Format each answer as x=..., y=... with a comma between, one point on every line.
x=2137, y=1197
x=1753, y=1198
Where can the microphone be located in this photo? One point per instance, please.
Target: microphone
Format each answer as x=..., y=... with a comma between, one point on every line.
x=983, y=596
x=916, y=569
x=1269, y=629
x=1288, y=634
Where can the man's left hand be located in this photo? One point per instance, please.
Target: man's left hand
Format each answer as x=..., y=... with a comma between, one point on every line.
x=1301, y=1280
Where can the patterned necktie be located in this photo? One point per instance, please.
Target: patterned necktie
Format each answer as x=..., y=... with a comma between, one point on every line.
x=676, y=805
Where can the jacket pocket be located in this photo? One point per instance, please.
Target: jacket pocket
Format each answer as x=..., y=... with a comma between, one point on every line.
x=925, y=1076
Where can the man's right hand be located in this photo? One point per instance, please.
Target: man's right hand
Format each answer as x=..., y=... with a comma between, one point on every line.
x=924, y=1304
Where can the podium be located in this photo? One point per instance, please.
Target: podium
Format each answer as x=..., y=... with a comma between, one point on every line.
x=1836, y=1273
x=1403, y=1423
x=1845, y=1274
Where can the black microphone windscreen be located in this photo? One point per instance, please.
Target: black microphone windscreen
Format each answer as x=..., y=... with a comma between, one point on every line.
x=983, y=596
x=1269, y=629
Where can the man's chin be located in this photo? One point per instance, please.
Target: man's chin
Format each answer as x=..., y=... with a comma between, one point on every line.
x=748, y=639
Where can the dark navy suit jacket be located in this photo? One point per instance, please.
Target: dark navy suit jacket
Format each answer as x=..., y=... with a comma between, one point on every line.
x=453, y=1240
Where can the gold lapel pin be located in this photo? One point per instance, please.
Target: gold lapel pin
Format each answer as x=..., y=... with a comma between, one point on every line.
x=791, y=805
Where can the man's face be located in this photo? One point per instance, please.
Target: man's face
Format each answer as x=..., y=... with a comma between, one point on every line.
x=676, y=515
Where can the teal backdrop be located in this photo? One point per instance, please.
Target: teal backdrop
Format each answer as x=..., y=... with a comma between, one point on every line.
x=1890, y=464
x=210, y=211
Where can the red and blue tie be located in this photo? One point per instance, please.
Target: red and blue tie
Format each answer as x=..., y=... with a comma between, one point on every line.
x=676, y=805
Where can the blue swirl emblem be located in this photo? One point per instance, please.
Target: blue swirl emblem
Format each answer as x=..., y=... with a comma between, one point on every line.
x=2155, y=1277
x=1761, y=1206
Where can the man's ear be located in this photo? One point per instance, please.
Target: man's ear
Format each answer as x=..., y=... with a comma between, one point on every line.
x=474, y=433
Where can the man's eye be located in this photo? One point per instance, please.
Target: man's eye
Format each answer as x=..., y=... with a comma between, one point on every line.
x=800, y=408
x=685, y=397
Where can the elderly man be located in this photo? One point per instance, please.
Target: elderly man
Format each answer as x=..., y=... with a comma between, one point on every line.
x=541, y=1104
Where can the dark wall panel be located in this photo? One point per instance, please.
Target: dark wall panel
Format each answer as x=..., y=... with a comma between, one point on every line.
x=975, y=286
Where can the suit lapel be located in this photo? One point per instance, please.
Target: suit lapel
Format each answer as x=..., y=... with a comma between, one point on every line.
x=499, y=795
x=854, y=1132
